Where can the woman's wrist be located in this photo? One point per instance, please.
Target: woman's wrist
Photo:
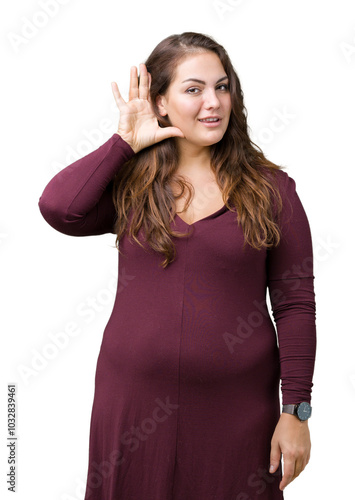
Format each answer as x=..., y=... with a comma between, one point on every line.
x=292, y=418
x=129, y=144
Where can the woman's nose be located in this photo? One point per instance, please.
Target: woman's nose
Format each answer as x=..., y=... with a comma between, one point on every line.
x=211, y=99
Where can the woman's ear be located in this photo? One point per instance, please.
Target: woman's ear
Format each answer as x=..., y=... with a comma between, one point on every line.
x=160, y=102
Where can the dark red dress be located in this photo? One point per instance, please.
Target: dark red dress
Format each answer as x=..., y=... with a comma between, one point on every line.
x=187, y=387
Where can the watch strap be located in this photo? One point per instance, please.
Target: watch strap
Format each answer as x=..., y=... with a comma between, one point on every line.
x=292, y=409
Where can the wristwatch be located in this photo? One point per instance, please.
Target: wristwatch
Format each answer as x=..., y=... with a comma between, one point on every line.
x=302, y=410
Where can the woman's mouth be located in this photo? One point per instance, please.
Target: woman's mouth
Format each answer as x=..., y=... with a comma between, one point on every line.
x=210, y=122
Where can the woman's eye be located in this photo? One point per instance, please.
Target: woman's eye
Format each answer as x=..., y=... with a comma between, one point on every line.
x=195, y=90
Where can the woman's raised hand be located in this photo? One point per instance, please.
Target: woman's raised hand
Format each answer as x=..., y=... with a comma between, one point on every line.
x=138, y=124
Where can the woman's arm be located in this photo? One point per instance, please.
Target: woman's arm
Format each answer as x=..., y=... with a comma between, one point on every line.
x=290, y=282
x=78, y=200
x=291, y=289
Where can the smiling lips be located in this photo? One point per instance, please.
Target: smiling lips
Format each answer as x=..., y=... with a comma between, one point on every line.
x=210, y=121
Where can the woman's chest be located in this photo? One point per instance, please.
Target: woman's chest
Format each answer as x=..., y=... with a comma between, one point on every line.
x=206, y=199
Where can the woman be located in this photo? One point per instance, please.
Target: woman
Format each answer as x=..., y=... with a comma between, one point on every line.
x=186, y=401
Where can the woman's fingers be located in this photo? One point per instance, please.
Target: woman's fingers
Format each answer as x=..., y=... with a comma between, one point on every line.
x=133, y=84
x=117, y=95
x=141, y=90
x=149, y=84
x=143, y=82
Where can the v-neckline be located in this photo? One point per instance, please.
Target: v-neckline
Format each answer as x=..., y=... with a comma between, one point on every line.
x=211, y=216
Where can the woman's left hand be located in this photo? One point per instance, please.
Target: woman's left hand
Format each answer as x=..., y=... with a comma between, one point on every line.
x=291, y=438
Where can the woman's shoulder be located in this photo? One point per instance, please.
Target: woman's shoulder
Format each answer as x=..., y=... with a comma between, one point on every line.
x=279, y=178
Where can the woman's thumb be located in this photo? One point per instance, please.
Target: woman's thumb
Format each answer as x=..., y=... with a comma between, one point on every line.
x=166, y=132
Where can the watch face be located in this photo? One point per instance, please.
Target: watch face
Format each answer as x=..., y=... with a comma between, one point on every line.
x=304, y=411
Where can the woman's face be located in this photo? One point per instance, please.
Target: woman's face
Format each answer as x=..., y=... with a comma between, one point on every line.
x=200, y=90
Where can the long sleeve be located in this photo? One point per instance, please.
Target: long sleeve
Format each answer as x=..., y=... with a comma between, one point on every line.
x=290, y=281
x=78, y=200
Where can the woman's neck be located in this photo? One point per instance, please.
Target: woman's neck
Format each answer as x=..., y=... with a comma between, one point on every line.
x=194, y=159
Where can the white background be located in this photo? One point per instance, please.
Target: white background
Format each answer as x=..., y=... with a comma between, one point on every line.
x=292, y=57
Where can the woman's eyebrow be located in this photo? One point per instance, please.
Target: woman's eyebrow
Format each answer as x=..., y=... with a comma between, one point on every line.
x=201, y=81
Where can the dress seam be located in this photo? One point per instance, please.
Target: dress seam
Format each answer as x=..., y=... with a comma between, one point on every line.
x=179, y=368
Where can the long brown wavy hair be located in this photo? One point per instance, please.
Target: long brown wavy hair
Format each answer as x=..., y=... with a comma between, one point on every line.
x=242, y=172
